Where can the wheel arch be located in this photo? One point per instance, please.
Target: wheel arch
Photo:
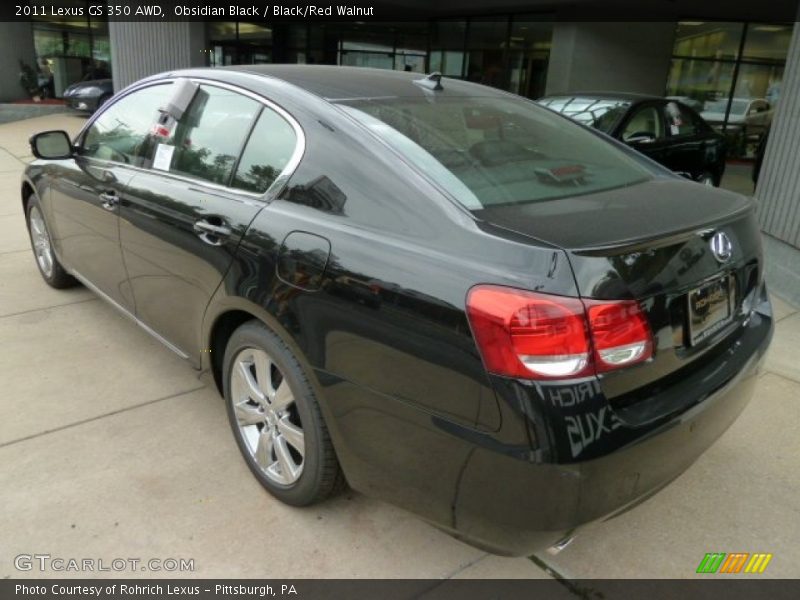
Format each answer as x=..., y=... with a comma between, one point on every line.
x=27, y=190
x=221, y=320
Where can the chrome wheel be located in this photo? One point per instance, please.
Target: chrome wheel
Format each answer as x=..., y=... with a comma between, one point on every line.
x=267, y=417
x=41, y=242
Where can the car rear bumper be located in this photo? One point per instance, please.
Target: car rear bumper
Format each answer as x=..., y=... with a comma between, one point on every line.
x=514, y=507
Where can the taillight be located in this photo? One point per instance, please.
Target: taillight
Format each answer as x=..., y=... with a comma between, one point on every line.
x=620, y=333
x=541, y=336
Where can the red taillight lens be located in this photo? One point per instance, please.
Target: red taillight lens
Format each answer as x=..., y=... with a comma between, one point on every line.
x=620, y=333
x=541, y=336
x=525, y=334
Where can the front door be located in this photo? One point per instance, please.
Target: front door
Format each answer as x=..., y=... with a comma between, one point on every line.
x=88, y=190
x=643, y=130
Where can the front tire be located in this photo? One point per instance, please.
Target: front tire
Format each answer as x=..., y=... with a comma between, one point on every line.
x=708, y=179
x=51, y=270
x=276, y=418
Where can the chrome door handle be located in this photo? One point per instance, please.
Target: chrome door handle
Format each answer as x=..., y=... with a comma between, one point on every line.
x=210, y=233
x=110, y=200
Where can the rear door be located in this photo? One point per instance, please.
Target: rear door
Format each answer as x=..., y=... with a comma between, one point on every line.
x=186, y=213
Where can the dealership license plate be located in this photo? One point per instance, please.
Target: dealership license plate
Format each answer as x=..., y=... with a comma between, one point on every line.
x=709, y=309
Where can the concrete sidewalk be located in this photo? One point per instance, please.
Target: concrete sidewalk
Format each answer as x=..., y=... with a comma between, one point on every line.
x=111, y=447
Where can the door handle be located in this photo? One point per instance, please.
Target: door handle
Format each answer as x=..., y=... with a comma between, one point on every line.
x=212, y=233
x=110, y=200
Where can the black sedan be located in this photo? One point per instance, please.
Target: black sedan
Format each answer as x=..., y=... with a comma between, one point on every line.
x=447, y=296
x=663, y=129
x=88, y=96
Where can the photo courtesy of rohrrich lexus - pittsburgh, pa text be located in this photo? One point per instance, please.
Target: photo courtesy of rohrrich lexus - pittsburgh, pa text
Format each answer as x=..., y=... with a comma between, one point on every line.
x=440, y=294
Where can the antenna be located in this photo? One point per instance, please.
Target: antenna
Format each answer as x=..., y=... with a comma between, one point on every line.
x=431, y=82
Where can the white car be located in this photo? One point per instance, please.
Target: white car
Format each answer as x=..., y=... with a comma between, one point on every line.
x=752, y=113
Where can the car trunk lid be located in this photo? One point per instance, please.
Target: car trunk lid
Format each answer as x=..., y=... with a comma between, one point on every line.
x=652, y=242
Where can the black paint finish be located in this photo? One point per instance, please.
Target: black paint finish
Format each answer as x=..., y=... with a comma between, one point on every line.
x=363, y=266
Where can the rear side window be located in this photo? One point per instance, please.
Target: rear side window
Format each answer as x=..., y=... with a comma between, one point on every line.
x=491, y=150
x=266, y=154
x=120, y=132
x=211, y=133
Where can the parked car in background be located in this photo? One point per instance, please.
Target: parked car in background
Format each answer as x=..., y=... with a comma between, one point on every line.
x=88, y=96
x=748, y=121
x=754, y=113
x=692, y=103
x=452, y=297
x=663, y=129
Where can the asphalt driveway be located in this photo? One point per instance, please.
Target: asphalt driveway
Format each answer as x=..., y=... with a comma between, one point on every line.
x=112, y=447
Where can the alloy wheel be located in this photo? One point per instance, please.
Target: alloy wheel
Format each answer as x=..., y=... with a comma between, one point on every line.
x=41, y=242
x=267, y=416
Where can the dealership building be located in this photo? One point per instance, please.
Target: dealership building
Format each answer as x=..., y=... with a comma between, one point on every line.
x=709, y=53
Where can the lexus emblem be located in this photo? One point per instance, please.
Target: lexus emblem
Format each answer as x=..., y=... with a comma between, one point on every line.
x=721, y=247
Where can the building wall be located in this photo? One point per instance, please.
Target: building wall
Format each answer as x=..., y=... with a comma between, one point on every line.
x=139, y=50
x=16, y=42
x=627, y=57
x=778, y=190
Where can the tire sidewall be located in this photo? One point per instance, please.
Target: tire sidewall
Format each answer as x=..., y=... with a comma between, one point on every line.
x=33, y=202
x=256, y=335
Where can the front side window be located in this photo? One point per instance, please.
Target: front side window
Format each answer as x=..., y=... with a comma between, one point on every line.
x=120, y=132
x=680, y=120
x=496, y=150
x=210, y=135
x=644, y=123
x=268, y=151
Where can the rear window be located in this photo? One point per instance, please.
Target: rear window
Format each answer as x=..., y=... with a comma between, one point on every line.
x=488, y=151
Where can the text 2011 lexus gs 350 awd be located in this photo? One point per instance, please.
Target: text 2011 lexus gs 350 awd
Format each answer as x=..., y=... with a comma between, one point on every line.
x=445, y=295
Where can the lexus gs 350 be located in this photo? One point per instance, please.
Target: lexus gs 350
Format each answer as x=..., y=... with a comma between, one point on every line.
x=442, y=294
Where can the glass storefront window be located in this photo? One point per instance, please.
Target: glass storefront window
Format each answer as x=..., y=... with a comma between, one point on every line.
x=448, y=34
x=254, y=33
x=699, y=81
x=70, y=49
x=529, y=55
x=767, y=42
x=486, y=43
x=449, y=63
x=221, y=30
x=704, y=39
x=736, y=94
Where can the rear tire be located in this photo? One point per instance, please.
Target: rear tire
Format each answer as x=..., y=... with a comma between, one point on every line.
x=51, y=270
x=276, y=418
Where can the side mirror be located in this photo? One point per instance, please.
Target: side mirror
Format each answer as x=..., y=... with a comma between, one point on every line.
x=641, y=137
x=51, y=145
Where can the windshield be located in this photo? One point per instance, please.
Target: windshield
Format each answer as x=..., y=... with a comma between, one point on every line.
x=488, y=151
x=738, y=107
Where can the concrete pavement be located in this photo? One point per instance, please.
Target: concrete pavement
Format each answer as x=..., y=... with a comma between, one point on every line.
x=111, y=447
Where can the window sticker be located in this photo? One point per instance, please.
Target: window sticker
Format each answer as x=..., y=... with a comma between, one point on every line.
x=163, y=158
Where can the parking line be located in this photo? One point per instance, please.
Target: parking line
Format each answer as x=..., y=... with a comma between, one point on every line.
x=98, y=417
x=33, y=310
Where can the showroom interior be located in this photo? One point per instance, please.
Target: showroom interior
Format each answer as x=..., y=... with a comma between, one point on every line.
x=719, y=62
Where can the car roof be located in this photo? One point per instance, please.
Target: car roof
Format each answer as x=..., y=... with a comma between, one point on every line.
x=333, y=82
x=627, y=96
